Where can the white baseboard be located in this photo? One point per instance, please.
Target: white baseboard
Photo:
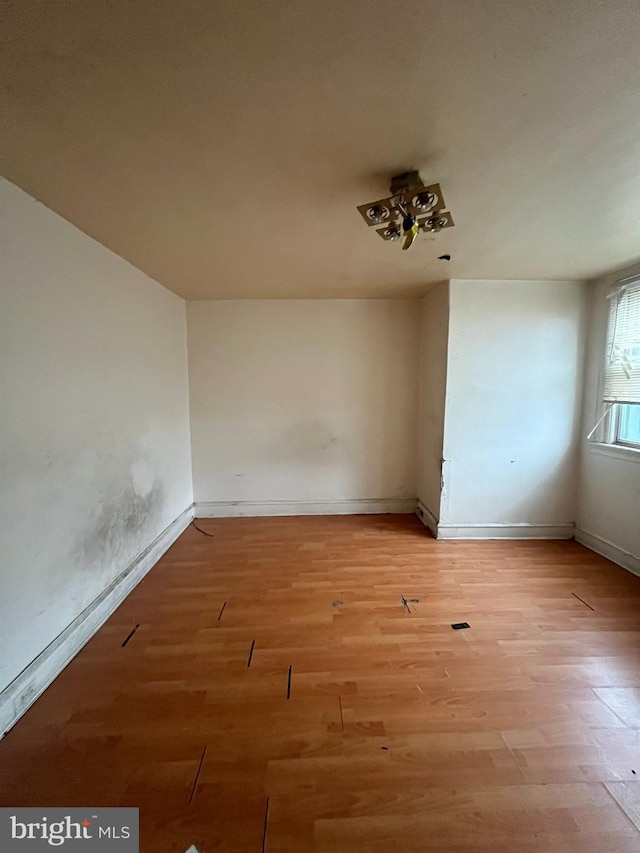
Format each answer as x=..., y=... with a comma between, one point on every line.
x=23, y=691
x=519, y=530
x=242, y=509
x=609, y=550
x=427, y=518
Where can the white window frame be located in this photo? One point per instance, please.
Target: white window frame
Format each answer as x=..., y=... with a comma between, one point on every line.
x=606, y=441
x=613, y=431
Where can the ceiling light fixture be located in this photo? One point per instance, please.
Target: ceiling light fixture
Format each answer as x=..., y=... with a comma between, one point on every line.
x=411, y=208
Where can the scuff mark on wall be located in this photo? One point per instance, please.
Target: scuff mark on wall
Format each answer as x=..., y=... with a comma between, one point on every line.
x=309, y=441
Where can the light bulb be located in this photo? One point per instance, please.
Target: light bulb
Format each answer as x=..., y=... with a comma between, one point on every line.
x=378, y=214
x=435, y=224
x=424, y=201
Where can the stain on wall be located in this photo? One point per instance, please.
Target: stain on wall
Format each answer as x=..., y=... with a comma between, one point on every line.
x=95, y=436
x=310, y=441
x=310, y=400
x=129, y=506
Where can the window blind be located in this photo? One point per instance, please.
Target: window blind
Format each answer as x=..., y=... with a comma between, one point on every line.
x=622, y=370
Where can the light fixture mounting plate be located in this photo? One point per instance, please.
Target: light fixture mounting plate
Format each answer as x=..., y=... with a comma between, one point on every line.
x=407, y=182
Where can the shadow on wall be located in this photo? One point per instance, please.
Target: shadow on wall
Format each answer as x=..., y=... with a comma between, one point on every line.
x=389, y=414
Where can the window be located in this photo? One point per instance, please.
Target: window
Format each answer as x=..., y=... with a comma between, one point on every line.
x=622, y=368
x=626, y=425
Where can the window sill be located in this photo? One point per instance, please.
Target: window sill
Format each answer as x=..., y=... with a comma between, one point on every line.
x=618, y=451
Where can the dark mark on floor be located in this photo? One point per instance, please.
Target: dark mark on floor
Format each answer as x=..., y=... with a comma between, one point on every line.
x=289, y=684
x=458, y=626
x=405, y=603
x=221, y=611
x=336, y=603
x=384, y=747
x=253, y=642
x=264, y=831
x=130, y=636
x=584, y=602
x=195, y=781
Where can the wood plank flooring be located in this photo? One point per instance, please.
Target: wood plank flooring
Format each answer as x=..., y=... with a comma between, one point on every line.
x=294, y=684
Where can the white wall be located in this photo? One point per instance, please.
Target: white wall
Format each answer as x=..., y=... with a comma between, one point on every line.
x=609, y=505
x=431, y=405
x=298, y=401
x=513, y=407
x=94, y=437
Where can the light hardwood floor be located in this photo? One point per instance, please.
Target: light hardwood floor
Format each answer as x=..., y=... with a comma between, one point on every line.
x=518, y=735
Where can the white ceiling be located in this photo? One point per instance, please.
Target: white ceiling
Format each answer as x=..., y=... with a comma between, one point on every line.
x=222, y=147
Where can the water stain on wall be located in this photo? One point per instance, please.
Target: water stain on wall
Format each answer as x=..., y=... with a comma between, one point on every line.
x=124, y=519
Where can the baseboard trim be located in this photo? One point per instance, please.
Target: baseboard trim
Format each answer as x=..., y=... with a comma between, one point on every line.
x=243, y=509
x=607, y=549
x=518, y=530
x=427, y=518
x=23, y=691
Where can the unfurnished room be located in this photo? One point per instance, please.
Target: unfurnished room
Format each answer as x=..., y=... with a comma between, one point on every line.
x=320, y=426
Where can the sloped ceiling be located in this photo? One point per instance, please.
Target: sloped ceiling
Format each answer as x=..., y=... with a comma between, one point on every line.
x=222, y=147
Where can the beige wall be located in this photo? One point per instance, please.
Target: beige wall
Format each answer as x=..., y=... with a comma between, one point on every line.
x=434, y=335
x=513, y=403
x=302, y=401
x=94, y=437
